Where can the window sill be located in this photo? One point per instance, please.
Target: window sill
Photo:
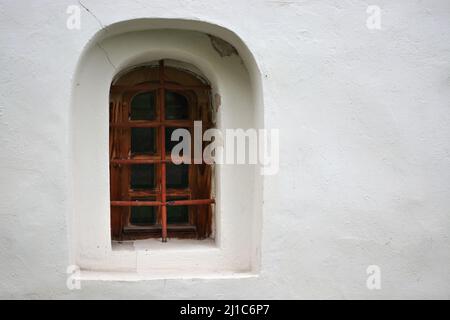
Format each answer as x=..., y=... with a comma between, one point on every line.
x=172, y=244
x=135, y=277
x=184, y=231
x=151, y=259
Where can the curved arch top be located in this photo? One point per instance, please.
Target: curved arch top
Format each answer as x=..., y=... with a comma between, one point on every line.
x=146, y=24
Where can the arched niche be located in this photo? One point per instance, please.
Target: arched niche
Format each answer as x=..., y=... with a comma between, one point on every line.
x=222, y=58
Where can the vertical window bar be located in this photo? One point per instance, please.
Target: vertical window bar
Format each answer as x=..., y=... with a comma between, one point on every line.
x=163, y=151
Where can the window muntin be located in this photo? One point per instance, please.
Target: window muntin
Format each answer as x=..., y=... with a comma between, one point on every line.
x=151, y=196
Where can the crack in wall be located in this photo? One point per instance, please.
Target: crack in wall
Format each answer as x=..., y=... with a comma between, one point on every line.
x=92, y=14
x=106, y=55
x=103, y=27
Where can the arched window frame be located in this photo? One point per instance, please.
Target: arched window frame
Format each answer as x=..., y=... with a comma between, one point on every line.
x=198, y=194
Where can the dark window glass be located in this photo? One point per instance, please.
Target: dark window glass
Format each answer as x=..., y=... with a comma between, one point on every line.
x=143, y=215
x=143, y=140
x=143, y=106
x=177, y=176
x=142, y=176
x=177, y=107
x=177, y=214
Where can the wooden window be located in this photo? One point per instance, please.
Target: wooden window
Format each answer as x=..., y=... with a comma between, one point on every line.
x=150, y=195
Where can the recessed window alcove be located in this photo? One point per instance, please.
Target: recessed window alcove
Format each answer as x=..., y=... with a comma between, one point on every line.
x=231, y=248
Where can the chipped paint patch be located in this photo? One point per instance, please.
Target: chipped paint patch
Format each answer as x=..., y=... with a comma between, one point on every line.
x=223, y=48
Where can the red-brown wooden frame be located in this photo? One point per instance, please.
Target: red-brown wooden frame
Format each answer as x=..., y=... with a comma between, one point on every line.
x=160, y=123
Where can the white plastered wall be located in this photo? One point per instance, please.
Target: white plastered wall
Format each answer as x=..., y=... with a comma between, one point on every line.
x=364, y=134
x=235, y=248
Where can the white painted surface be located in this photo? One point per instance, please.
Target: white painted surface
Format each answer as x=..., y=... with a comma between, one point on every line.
x=365, y=152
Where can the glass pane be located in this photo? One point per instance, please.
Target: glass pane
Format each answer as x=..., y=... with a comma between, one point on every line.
x=169, y=143
x=143, y=215
x=177, y=107
x=177, y=176
x=142, y=176
x=177, y=214
x=143, y=140
x=143, y=106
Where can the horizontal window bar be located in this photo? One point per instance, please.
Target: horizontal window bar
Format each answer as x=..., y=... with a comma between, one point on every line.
x=136, y=203
x=150, y=87
x=190, y=202
x=153, y=124
x=159, y=227
x=138, y=161
x=168, y=159
x=157, y=192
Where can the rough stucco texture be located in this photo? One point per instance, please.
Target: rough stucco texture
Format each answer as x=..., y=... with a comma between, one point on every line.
x=365, y=146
